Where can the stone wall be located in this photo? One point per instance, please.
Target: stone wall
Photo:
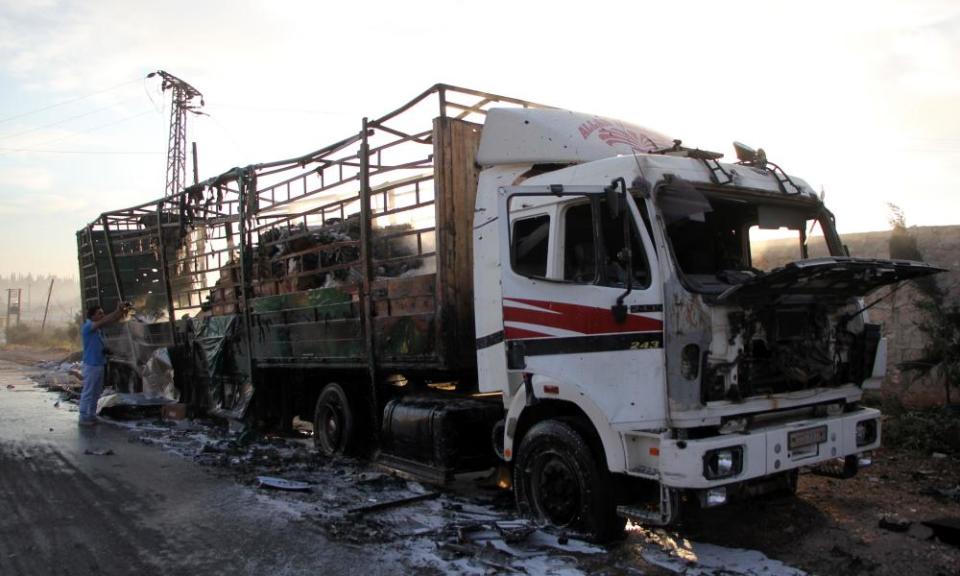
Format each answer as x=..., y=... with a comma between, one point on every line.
x=940, y=246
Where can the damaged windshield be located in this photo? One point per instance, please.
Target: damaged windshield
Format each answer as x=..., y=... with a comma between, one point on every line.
x=719, y=240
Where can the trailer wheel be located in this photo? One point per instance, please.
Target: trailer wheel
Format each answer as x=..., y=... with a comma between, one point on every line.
x=558, y=480
x=333, y=422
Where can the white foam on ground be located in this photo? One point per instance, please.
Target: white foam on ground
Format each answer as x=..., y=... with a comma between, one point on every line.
x=690, y=558
x=420, y=527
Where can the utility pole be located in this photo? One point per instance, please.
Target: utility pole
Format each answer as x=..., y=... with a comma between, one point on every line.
x=13, y=304
x=183, y=100
x=196, y=173
x=47, y=307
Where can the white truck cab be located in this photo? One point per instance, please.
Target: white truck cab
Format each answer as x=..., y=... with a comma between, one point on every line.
x=660, y=324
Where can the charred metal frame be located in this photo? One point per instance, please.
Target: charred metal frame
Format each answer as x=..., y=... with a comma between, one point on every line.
x=195, y=249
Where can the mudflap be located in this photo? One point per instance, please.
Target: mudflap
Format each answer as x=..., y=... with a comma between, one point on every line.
x=841, y=469
x=664, y=513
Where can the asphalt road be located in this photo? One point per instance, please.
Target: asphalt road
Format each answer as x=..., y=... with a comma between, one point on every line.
x=139, y=510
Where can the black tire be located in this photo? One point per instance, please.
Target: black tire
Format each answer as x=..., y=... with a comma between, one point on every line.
x=559, y=481
x=334, y=424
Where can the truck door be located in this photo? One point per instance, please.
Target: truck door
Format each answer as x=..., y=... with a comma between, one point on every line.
x=566, y=266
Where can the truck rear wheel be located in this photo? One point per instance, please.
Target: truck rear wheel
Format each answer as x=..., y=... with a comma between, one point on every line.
x=334, y=428
x=558, y=480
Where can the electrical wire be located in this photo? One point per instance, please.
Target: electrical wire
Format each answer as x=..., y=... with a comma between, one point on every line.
x=94, y=129
x=92, y=152
x=70, y=101
x=52, y=124
x=160, y=108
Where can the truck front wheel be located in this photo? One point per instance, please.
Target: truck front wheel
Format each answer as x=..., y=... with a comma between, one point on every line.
x=334, y=428
x=558, y=480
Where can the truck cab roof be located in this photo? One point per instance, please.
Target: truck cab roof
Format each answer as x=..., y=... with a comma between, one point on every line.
x=599, y=145
x=538, y=136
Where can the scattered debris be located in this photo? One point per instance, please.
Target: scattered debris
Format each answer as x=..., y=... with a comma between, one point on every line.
x=247, y=437
x=282, y=484
x=946, y=530
x=515, y=530
x=920, y=531
x=852, y=563
x=472, y=529
x=894, y=524
x=174, y=411
x=392, y=503
x=63, y=377
x=950, y=493
x=98, y=452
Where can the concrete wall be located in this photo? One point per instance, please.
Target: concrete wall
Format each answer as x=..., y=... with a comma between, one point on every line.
x=940, y=246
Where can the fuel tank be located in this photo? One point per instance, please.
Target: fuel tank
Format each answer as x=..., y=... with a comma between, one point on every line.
x=441, y=435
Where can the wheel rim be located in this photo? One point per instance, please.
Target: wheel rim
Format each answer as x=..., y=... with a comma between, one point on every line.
x=556, y=489
x=330, y=427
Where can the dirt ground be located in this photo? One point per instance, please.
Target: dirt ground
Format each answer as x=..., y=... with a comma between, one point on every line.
x=834, y=526
x=29, y=355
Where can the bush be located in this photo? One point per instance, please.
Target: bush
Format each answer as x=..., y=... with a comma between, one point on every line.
x=940, y=319
x=67, y=337
x=922, y=431
x=20, y=334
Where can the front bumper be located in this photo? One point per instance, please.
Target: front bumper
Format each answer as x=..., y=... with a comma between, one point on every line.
x=765, y=450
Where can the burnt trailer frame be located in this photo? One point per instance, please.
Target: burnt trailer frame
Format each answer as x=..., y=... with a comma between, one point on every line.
x=228, y=276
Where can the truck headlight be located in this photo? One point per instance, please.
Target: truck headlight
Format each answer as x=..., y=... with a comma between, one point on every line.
x=866, y=432
x=723, y=462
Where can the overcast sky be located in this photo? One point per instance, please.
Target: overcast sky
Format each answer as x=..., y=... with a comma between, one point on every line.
x=859, y=98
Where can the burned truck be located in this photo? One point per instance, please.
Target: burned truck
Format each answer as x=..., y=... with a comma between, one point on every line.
x=475, y=282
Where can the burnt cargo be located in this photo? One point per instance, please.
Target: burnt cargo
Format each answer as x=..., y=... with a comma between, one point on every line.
x=352, y=258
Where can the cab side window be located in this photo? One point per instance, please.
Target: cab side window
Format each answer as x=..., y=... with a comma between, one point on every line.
x=580, y=253
x=615, y=257
x=594, y=248
x=531, y=242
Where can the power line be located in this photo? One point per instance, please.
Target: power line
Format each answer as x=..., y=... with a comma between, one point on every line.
x=93, y=152
x=280, y=109
x=94, y=129
x=52, y=124
x=70, y=101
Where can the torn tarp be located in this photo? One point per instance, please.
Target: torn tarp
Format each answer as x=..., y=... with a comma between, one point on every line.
x=218, y=357
x=124, y=406
x=157, y=376
x=211, y=340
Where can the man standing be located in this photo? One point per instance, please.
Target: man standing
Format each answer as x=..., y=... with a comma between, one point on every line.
x=94, y=361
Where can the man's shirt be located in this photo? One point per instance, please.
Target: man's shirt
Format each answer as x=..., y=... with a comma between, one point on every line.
x=92, y=345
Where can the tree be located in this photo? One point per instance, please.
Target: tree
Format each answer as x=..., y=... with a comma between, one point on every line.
x=939, y=319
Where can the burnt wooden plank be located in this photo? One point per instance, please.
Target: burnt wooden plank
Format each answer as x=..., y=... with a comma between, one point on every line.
x=404, y=337
x=456, y=143
x=424, y=285
x=405, y=306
